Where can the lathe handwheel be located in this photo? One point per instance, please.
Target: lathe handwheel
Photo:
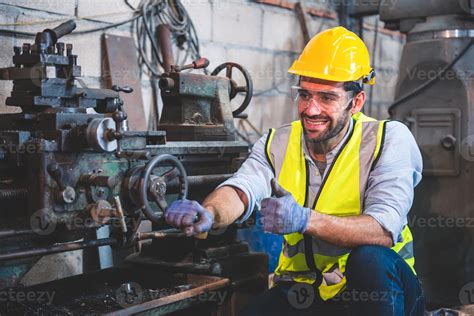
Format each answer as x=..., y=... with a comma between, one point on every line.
x=247, y=89
x=156, y=189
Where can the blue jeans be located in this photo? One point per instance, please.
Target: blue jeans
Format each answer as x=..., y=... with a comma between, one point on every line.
x=379, y=282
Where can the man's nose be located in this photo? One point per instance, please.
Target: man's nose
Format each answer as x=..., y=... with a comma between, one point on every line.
x=313, y=108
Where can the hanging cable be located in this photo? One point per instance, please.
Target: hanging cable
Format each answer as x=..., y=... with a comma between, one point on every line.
x=174, y=15
x=148, y=15
x=430, y=82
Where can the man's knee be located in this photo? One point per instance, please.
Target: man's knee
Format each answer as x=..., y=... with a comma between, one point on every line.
x=369, y=260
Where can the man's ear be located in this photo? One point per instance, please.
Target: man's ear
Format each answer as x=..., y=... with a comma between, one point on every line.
x=358, y=102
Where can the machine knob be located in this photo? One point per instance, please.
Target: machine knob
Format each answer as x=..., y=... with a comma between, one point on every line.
x=126, y=89
x=448, y=142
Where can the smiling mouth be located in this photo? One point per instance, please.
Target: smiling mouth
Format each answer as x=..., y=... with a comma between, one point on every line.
x=315, y=123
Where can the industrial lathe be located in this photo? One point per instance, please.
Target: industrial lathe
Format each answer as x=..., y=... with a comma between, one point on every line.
x=75, y=178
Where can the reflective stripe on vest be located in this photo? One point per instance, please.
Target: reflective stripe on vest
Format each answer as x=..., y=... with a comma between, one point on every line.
x=341, y=194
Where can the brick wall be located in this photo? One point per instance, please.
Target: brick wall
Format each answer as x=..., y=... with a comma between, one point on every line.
x=264, y=38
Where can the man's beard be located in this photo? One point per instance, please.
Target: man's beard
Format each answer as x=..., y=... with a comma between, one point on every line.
x=331, y=132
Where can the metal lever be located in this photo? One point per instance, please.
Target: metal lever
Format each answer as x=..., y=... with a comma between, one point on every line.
x=197, y=64
x=56, y=173
x=126, y=89
x=121, y=216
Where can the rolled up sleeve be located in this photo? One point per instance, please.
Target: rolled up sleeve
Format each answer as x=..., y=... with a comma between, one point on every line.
x=253, y=178
x=390, y=189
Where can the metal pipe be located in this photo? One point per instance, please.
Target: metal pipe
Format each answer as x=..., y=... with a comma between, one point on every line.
x=159, y=234
x=57, y=249
x=15, y=232
x=202, y=180
x=164, y=41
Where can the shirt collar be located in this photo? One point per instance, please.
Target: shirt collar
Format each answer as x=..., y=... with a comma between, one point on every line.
x=330, y=155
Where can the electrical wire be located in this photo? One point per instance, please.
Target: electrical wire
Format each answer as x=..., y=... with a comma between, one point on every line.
x=98, y=29
x=148, y=15
x=183, y=33
x=430, y=82
x=374, y=62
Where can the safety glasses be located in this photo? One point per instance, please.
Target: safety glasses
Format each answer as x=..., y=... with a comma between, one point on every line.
x=328, y=100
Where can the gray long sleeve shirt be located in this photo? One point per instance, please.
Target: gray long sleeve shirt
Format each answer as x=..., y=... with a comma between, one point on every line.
x=389, y=193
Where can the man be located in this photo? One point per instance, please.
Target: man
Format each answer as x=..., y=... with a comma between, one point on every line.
x=342, y=186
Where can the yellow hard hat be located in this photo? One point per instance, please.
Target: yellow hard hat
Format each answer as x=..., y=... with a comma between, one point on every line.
x=336, y=54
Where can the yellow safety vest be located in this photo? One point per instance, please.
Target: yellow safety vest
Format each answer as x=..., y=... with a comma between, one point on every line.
x=303, y=258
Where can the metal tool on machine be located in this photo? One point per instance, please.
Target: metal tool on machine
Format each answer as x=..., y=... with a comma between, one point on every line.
x=69, y=166
x=191, y=110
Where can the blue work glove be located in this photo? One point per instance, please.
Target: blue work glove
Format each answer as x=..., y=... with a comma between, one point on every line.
x=189, y=216
x=282, y=214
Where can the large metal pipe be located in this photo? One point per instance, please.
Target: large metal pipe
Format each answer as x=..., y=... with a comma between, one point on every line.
x=164, y=41
x=57, y=249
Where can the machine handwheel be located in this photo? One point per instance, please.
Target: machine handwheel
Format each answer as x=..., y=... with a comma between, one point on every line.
x=153, y=188
x=235, y=88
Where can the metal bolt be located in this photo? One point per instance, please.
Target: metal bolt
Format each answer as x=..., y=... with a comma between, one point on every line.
x=68, y=49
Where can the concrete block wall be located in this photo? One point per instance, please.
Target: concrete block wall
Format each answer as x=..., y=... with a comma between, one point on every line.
x=263, y=38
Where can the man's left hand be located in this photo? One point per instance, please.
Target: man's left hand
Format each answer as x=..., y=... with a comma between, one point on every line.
x=282, y=214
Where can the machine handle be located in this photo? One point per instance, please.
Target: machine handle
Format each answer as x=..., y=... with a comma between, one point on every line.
x=197, y=64
x=126, y=89
x=201, y=63
x=61, y=30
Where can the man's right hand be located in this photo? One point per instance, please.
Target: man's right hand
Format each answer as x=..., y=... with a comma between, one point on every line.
x=189, y=216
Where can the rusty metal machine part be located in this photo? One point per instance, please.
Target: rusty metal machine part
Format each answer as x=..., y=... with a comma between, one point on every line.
x=65, y=173
x=193, y=104
x=96, y=134
x=154, y=187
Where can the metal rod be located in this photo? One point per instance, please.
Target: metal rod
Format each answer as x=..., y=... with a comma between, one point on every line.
x=123, y=225
x=202, y=180
x=57, y=249
x=159, y=234
x=15, y=232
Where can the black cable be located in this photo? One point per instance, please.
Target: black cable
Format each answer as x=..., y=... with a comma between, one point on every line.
x=102, y=28
x=173, y=14
x=374, y=62
x=431, y=81
x=130, y=6
x=18, y=33
x=105, y=27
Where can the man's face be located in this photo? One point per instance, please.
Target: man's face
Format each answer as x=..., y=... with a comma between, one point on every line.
x=324, y=108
